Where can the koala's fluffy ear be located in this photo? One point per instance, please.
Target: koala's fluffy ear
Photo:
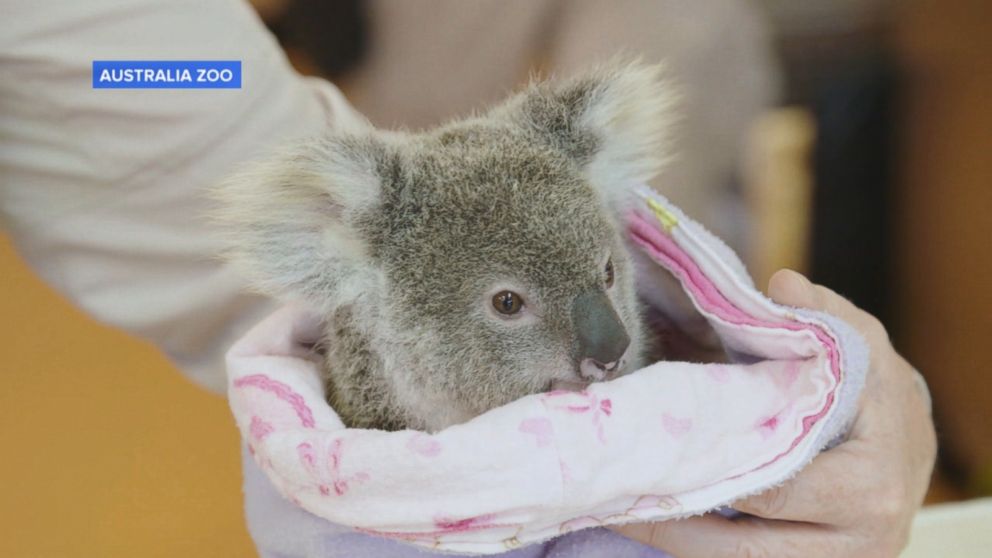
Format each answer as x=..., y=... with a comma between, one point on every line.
x=612, y=120
x=290, y=221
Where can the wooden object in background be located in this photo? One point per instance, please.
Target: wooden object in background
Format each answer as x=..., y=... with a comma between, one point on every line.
x=107, y=450
x=778, y=189
x=943, y=280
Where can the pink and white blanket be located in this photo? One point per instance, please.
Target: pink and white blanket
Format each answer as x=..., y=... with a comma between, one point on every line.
x=671, y=440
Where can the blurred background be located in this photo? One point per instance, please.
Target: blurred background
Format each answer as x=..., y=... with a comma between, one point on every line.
x=847, y=139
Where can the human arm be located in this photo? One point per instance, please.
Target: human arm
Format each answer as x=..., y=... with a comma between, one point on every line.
x=102, y=190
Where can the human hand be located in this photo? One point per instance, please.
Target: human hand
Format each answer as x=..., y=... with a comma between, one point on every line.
x=857, y=499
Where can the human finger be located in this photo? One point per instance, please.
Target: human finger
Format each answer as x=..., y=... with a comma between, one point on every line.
x=793, y=289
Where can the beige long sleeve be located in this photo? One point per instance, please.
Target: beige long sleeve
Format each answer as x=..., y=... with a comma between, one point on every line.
x=102, y=190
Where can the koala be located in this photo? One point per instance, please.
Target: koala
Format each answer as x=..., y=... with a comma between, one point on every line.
x=461, y=268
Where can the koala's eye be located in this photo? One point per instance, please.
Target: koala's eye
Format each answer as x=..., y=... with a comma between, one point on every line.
x=507, y=302
x=609, y=273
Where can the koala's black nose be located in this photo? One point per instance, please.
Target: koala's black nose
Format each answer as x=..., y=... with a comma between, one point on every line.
x=601, y=337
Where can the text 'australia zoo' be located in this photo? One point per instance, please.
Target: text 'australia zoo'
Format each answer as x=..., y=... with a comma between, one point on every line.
x=167, y=75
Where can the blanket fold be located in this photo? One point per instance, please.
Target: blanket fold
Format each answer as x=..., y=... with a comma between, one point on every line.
x=670, y=440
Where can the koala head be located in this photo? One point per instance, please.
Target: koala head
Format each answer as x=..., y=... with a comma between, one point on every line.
x=475, y=263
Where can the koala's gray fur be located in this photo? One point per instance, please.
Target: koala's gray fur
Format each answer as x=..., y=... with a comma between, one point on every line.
x=401, y=239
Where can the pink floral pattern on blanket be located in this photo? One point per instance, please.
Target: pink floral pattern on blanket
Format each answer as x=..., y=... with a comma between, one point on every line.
x=670, y=440
x=641, y=507
x=582, y=403
x=540, y=428
x=675, y=426
x=283, y=392
x=326, y=468
x=450, y=526
x=424, y=445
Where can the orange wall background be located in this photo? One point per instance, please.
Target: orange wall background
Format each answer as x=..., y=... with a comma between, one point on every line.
x=105, y=448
